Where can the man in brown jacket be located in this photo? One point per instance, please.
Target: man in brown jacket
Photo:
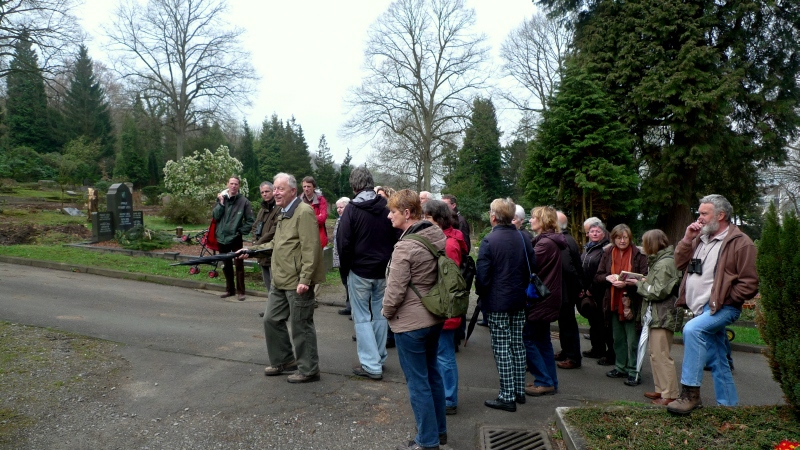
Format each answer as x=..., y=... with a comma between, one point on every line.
x=719, y=264
x=264, y=230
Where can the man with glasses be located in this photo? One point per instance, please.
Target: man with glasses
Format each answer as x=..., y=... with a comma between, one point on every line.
x=719, y=264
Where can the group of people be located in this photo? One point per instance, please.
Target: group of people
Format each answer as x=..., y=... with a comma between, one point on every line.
x=383, y=243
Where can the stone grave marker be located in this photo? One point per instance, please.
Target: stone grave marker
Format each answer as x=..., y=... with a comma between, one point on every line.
x=137, y=218
x=75, y=212
x=119, y=203
x=102, y=226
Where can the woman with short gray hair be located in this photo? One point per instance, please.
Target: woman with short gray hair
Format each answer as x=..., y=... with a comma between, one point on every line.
x=340, y=205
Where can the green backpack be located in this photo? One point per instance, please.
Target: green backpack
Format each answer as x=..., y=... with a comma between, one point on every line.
x=449, y=297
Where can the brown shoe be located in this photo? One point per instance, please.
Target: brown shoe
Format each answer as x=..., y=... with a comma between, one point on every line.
x=241, y=297
x=272, y=371
x=687, y=402
x=568, y=364
x=226, y=295
x=652, y=395
x=538, y=391
x=298, y=377
x=560, y=356
x=663, y=401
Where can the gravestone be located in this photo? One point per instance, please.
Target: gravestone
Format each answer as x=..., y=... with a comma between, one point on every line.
x=102, y=226
x=120, y=204
x=72, y=211
x=138, y=218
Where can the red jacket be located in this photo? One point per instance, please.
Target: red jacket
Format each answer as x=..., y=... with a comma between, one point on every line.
x=455, y=247
x=320, y=206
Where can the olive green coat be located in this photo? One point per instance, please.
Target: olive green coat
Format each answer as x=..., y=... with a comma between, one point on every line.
x=659, y=290
x=296, y=253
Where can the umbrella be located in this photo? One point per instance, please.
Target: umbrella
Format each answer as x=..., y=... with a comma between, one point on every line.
x=642, y=350
x=472, y=322
x=214, y=258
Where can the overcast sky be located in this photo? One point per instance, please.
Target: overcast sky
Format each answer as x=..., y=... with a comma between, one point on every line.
x=309, y=53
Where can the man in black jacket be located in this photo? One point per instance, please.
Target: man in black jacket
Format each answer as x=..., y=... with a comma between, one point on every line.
x=365, y=240
x=570, y=355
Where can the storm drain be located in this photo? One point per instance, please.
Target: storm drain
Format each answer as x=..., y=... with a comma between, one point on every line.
x=509, y=439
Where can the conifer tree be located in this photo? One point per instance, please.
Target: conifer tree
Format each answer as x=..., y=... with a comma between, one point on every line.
x=325, y=175
x=268, y=148
x=295, y=158
x=247, y=156
x=86, y=110
x=344, y=176
x=29, y=119
x=476, y=180
x=131, y=163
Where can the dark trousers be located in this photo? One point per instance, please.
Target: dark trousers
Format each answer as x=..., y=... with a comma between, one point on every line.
x=568, y=332
x=343, y=277
x=599, y=332
x=227, y=268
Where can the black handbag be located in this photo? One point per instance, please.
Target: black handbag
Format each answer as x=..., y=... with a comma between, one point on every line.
x=536, y=289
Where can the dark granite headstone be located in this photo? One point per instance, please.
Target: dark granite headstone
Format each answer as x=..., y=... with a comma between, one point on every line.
x=137, y=218
x=102, y=226
x=119, y=202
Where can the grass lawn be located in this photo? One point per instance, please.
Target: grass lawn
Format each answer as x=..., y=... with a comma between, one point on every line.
x=46, y=217
x=710, y=428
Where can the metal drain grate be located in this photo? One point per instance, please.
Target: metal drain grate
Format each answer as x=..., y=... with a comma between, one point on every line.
x=494, y=438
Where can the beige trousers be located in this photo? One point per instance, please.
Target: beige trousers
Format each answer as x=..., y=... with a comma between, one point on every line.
x=662, y=364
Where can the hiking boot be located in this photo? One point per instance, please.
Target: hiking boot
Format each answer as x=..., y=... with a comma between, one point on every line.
x=298, y=377
x=538, y=391
x=272, y=371
x=687, y=402
x=359, y=371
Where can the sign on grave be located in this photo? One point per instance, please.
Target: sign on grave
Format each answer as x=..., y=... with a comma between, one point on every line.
x=138, y=218
x=120, y=204
x=102, y=226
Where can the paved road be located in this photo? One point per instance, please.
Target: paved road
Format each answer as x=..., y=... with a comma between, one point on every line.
x=190, y=349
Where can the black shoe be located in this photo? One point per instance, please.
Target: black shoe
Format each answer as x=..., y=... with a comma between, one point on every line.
x=450, y=411
x=520, y=398
x=502, y=405
x=591, y=354
x=604, y=361
x=261, y=314
x=443, y=439
x=359, y=371
x=614, y=373
x=632, y=381
x=390, y=343
x=354, y=338
x=344, y=312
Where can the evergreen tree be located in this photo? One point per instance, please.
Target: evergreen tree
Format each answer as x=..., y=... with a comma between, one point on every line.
x=247, y=156
x=268, y=148
x=476, y=180
x=580, y=160
x=86, y=111
x=149, y=124
x=326, y=176
x=29, y=119
x=706, y=89
x=207, y=137
x=295, y=158
x=131, y=163
x=344, y=176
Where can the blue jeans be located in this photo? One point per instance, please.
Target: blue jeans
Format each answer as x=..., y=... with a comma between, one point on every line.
x=448, y=368
x=366, y=301
x=539, y=351
x=704, y=341
x=417, y=353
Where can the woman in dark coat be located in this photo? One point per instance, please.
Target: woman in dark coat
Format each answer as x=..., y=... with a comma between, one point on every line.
x=621, y=303
x=547, y=245
x=591, y=302
x=501, y=279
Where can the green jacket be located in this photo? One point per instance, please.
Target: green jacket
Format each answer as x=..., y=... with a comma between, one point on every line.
x=658, y=290
x=296, y=253
x=235, y=218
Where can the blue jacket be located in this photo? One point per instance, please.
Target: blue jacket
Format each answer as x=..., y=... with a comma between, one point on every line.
x=502, y=270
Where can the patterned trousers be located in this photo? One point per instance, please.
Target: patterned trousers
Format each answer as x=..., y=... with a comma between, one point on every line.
x=509, y=352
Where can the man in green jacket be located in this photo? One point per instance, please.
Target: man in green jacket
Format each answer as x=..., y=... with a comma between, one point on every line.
x=234, y=217
x=296, y=268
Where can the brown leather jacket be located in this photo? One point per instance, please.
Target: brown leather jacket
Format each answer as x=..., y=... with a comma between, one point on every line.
x=268, y=216
x=412, y=262
x=735, y=277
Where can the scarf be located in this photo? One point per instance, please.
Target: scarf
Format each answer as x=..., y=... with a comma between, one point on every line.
x=620, y=260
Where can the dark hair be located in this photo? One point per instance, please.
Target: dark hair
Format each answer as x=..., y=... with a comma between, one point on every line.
x=439, y=212
x=310, y=179
x=451, y=198
x=237, y=178
x=653, y=241
x=406, y=199
x=361, y=179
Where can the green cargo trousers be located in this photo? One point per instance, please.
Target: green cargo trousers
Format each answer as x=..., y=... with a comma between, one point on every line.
x=298, y=310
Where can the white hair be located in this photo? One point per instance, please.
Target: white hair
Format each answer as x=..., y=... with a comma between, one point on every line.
x=344, y=200
x=520, y=213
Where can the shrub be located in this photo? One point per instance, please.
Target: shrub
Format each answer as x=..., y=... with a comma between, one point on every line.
x=778, y=321
x=102, y=188
x=186, y=210
x=153, y=194
x=141, y=238
x=24, y=164
x=203, y=175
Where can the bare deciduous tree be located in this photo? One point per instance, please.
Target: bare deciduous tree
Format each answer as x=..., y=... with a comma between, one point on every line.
x=51, y=28
x=183, y=53
x=534, y=55
x=782, y=182
x=423, y=66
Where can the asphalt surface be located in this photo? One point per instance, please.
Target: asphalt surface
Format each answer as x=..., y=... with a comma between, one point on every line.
x=192, y=351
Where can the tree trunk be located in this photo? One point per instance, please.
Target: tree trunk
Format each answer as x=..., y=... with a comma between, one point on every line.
x=675, y=221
